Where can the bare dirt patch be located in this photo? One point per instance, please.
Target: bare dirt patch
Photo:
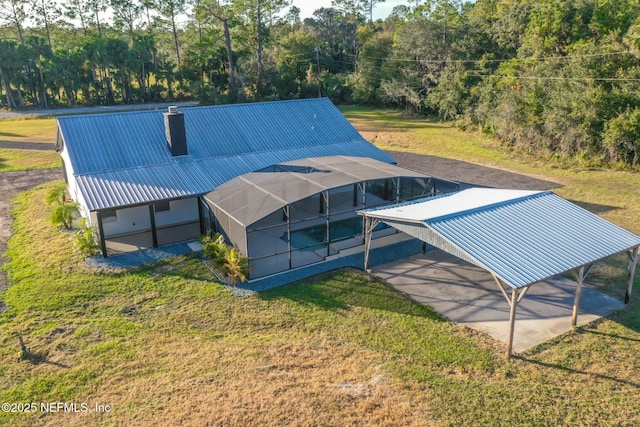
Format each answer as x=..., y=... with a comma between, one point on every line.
x=19, y=145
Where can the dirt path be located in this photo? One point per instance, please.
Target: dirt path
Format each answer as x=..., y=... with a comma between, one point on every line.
x=93, y=110
x=469, y=174
x=11, y=184
x=28, y=145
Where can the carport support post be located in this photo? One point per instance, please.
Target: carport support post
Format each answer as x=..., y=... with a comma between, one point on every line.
x=287, y=210
x=576, y=303
x=369, y=225
x=512, y=320
x=516, y=296
x=367, y=241
x=633, y=254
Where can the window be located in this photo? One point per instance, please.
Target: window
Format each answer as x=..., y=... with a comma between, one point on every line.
x=162, y=206
x=109, y=215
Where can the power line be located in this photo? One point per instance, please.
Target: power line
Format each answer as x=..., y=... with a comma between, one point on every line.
x=475, y=61
x=311, y=52
x=600, y=79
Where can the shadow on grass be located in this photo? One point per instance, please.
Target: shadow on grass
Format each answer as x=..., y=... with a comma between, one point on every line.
x=614, y=336
x=36, y=358
x=577, y=371
x=594, y=207
x=185, y=266
x=346, y=288
x=39, y=358
x=11, y=134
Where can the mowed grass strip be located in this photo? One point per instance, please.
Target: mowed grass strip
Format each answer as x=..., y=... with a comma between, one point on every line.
x=17, y=160
x=27, y=130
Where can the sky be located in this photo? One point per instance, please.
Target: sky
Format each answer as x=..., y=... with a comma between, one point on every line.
x=380, y=11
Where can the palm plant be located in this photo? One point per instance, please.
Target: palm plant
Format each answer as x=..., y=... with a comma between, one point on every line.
x=215, y=249
x=63, y=214
x=56, y=195
x=236, y=266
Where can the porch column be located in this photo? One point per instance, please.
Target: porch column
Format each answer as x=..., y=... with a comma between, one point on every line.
x=103, y=244
x=154, y=233
x=325, y=196
x=355, y=195
x=203, y=229
x=287, y=212
x=633, y=255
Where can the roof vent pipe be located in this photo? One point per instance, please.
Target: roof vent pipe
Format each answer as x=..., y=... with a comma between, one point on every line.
x=175, y=132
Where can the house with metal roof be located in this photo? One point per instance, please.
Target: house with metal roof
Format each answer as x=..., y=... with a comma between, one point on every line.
x=281, y=180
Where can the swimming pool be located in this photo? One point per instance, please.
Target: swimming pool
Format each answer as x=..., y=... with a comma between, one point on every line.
x=309, y=238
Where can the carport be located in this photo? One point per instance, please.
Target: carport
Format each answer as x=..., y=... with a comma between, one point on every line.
x=519, y=237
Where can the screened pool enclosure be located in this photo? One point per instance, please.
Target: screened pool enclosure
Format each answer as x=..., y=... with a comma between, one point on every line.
x=303, y=212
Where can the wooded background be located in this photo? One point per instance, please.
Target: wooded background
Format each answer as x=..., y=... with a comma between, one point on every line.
x=560, y=78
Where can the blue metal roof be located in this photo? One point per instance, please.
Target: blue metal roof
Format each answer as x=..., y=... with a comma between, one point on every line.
x=122, y=159
x=523, y=240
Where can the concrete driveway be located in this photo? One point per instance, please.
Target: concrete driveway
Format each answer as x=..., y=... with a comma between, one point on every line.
x=468, y=295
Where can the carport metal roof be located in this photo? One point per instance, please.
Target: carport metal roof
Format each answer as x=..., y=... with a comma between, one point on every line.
x=252, y=196
x=520, y=237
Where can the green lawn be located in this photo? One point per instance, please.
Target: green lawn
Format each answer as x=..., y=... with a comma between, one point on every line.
x=17, y=160
x=167, y=344
x=28, y=129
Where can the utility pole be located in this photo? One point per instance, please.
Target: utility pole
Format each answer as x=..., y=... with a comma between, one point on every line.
x=318, y=70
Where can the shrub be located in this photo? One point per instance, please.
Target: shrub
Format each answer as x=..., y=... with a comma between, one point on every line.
x=63, y=213
x=215, y=249
x=84, y=239
x=226, y=259
x=56, y=195
x=622, y=137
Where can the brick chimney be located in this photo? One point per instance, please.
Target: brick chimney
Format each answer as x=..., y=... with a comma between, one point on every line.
x=175, y=132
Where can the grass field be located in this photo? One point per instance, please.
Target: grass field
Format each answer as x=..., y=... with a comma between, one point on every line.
x=26, y=130
x=613, y=194
x=168, y=345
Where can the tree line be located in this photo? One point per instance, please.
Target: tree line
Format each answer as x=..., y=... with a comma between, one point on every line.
x=558, y=78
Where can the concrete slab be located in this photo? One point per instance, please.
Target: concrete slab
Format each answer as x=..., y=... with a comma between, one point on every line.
x=468, y=295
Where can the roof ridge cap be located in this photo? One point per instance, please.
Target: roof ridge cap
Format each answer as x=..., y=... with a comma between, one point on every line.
x=486, y=207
